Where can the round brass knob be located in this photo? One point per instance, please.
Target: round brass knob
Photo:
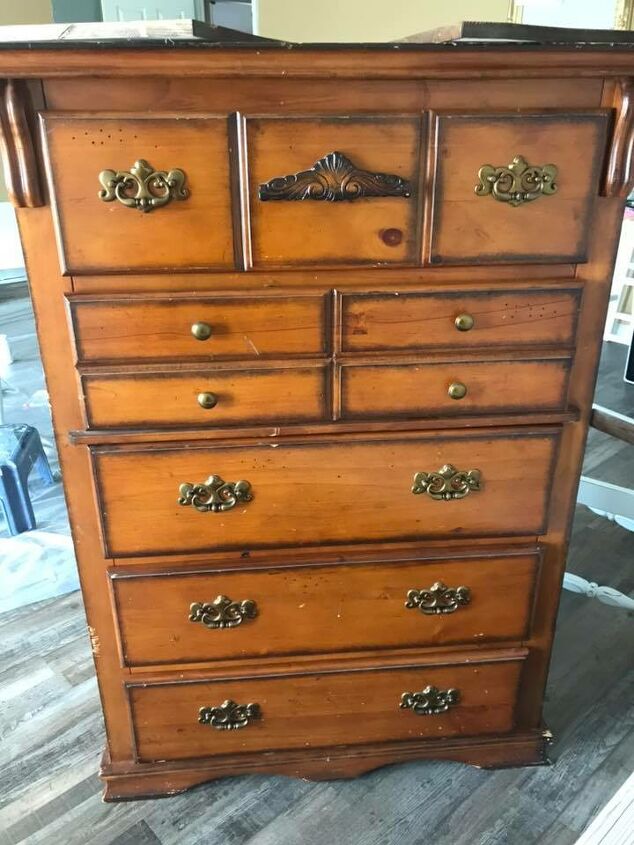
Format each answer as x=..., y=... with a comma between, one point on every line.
x=201, y=331
x=457, y=390
x=464, y=322
x=207, y=400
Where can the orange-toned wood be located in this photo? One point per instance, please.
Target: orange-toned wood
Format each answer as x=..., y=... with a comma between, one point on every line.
x=17, y=151
x=278, y=84
x=513, y=317
x=468, y=228
x=308, y=232
x=170, y=399
x=335, y=491
x=153, y=780
x=425, y=389
x=319, y=710
x=294, y=96
x=96, y=236
x=252, y=326
x=322, y=608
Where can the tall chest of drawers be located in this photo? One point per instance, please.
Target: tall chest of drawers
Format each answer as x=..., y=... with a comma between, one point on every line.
x=320, y=329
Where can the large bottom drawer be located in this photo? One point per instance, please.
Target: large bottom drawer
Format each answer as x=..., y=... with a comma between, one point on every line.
x=179, y=617
x=166, y=500
x=180, y=720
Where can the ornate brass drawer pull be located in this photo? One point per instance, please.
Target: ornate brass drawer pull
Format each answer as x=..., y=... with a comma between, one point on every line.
x=464, y=322
x=142, y=187
x=457, y=390
x=229, y=716
x=517, y=183
x=439, y=598
x=447, y=483
x=214, y=494
x=334, y=178
x=430, y=702
x=222, y=612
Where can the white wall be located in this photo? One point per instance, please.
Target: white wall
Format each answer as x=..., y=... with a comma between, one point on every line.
x=366, y=20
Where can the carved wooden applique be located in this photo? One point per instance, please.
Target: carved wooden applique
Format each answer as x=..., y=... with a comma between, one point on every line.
x=334, y=178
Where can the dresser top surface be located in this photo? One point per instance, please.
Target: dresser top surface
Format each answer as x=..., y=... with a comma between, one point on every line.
x=192, y=35
x=137, y=49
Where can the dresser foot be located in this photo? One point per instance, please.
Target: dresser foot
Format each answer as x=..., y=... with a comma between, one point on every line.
x=129, y=782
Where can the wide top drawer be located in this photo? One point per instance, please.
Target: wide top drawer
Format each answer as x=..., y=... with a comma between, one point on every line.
x=246, y=496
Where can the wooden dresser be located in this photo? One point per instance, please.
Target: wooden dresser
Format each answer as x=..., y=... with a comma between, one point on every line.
x=320, y=328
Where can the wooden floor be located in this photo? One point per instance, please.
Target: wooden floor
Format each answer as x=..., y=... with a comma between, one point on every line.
x=52, y=734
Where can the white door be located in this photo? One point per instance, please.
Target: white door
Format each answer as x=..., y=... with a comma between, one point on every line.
x=155, y=10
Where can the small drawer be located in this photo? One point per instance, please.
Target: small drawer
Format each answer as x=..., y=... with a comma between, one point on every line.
x=511, y=317
x=207, y=397
x=452, y=388
x=335, y=190
x=198, y=617
x=197, y=328
x=166, y=500
x=180, y=720
x=515, y=187
x=139, y=192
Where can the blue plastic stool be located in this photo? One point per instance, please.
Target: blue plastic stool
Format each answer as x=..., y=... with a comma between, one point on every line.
x=20, y=450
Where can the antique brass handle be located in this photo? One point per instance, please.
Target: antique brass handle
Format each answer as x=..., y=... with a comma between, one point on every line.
x=222, y=612
x=439, y=598
x=229, y=716
x=464, y=322
x=207, y=400
x=447, y=483
x=457, y=390
x=214, y=494
x=201, y=331
x=430, y=702
x=142, y=187
x=518, y=182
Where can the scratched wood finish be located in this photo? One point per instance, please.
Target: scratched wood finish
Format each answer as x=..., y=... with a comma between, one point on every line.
x=166, y=399
x=322, y=609
x=331, y=492
x=467, y=228
x=310, y=232
x=392, y=390
x=317, y=710
x=128, y=328
x=417, y=320
x=579, y=91
x=96, y=236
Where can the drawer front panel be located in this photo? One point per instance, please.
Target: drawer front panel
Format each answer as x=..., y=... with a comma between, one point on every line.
x=517, y=318
x=420, y=390
x=206, y=397
x=324, y=609
x=330, y=492
x=141, y=328
x=509, y=219
x=321, y=710
x=358, y=220
x=188, y=231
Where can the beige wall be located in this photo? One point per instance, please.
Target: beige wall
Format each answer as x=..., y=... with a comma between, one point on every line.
x=22, y=11
x=366, y=20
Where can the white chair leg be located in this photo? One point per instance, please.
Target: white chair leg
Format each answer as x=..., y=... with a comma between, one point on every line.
x=607, y=595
